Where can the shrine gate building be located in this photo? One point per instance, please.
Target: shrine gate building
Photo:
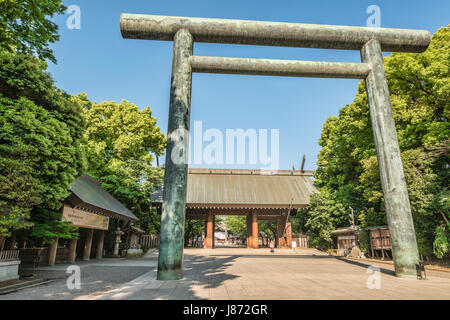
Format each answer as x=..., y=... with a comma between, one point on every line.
x=255, y=194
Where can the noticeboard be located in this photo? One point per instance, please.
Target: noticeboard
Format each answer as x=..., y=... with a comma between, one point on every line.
x=85, y=219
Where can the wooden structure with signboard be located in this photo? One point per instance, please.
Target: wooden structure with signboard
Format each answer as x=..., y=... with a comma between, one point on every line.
x=90, y=207
x=380, y=240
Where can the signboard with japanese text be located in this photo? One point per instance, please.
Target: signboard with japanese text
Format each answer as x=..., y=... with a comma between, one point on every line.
x=85, y=219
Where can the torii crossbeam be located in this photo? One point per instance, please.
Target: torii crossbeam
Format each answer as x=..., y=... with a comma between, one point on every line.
x=370, y=41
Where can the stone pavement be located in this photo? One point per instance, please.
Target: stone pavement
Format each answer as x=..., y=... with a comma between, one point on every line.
x=97, y=277
x=230, y=274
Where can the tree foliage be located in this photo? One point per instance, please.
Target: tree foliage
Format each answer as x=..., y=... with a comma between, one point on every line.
x=325, y=214
x=347, y=165
x=48, y=227
x=120, y=140
x=267, y=229
x=237, y=226
x=298, y=222
x=40, y=141
x=193, y=230
x=25, y=26
x=44, y=141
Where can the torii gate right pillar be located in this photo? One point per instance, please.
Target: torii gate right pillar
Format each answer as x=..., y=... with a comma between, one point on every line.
x=396, y=200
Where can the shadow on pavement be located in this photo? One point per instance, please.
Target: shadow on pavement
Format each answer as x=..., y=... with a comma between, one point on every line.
x=274, y=256
x=208, y=270
x=366, y=265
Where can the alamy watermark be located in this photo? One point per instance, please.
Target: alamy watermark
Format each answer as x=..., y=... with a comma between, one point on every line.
x=374, y=20
x=234, y=146
x=374, y=280
x=74, y=280
x=74, y=20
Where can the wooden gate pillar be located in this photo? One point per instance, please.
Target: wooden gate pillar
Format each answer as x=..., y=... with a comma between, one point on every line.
x=72, y=250
x=280, y=239
x=254, y=226
x=88, y=245
x=249, y=230
x=99, y=249
x=288, y=235
x=51, y=255
x=209, y=239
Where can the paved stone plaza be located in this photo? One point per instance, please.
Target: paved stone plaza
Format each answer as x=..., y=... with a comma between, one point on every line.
x=238, y=273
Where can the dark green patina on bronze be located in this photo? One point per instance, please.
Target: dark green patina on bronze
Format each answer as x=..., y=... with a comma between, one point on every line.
x=371, y=41
x=266, y=33
x=286, y=68
x=396, y=200
x=170, y=259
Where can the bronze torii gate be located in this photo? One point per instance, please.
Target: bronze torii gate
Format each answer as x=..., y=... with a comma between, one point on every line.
x=370, y=41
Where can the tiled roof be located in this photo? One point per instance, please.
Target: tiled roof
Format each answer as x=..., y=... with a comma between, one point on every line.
x=217, y=188
x=89, y=194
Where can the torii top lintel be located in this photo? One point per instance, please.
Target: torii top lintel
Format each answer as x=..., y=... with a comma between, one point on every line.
x=153, y=27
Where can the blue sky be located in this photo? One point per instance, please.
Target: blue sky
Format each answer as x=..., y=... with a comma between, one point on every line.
x=96, y=60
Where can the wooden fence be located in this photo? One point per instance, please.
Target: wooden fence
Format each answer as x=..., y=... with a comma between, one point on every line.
x=9, y=255
x=149, y=241
x=380, y=239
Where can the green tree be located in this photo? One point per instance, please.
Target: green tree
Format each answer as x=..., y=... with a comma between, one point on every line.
x=423, y=194
x=298, y=222
x=120, y=140
x=193, y=230
x=150, y=221
x=40, y=142
x=25, y=26
x=48, y=226
x=324, y=215
x=267, y=229
x=237, y=226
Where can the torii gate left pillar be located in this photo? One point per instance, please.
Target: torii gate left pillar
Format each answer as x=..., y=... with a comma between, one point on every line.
x=170, y=258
